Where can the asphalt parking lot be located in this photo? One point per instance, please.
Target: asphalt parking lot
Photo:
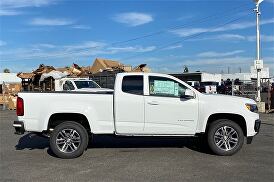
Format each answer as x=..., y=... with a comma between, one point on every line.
x=109, y=158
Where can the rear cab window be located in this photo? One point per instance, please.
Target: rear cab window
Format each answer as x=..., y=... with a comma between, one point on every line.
x=133, y=84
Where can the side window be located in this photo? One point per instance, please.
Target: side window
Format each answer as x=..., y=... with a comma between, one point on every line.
x=133, y=85
x=160, y=86
x=68, y=86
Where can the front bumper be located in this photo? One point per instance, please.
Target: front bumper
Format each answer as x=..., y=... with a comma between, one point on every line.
x=19, y=127
x=257, y=126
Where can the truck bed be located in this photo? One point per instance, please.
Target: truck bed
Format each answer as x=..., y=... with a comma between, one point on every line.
x=40, y=106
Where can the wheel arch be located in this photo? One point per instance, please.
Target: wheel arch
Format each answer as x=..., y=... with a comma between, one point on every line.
x=240, y=120
x=58, y=118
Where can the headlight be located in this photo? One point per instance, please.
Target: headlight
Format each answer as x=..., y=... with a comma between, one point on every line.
x=252, y=107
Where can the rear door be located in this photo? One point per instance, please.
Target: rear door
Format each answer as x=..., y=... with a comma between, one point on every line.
x=129, y=105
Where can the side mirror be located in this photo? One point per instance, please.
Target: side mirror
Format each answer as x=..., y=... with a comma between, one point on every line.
x=189, y=94
x=65, y=87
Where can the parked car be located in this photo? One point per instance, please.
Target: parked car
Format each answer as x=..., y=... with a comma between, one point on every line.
x=78, y=84
x=142, y=104
x=225, y=87
x=206, y=87
x=198, y=87
x=210, y=87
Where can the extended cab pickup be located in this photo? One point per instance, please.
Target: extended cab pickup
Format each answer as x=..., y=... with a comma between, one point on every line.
x=142, y=104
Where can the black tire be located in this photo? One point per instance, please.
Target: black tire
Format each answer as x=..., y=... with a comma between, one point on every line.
x=75, y=144
x=225, y=145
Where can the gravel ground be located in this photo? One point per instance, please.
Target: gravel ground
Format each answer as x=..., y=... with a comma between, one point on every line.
x=110, y=158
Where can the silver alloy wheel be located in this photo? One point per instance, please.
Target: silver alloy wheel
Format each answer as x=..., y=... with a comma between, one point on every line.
x=68, y=140
x=226, y=138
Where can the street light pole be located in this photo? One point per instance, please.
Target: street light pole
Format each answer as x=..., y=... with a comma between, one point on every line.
x=258, y=63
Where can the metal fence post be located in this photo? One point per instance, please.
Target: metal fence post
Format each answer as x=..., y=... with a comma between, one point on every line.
x=232, y=87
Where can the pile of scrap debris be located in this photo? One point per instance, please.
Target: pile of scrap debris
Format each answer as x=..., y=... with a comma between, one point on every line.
x=9, y=94
x=42, y=79
x=9, y=87
x=104, y=65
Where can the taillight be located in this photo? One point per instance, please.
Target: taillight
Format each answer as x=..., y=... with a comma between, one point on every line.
x=20, y=106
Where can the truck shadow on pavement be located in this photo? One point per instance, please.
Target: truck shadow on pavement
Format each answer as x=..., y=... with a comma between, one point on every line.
x=32, y=142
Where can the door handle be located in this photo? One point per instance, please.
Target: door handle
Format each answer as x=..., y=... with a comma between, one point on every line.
x=153, y=103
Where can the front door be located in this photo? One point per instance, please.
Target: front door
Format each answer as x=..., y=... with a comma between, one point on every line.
x=167, y=111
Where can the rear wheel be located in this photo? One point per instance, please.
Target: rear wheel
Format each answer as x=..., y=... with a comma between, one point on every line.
x=69, y=140
x=225, y=137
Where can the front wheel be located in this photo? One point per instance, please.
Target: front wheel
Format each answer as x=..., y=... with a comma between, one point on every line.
x=225, y=137
x=69, y=140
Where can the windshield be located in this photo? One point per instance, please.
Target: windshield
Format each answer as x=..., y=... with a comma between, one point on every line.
x=86, y=84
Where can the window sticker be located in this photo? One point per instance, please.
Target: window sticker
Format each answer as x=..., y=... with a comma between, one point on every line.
x=166, y=87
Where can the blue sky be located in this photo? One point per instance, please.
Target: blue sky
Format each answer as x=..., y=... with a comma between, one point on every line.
x=204, y=35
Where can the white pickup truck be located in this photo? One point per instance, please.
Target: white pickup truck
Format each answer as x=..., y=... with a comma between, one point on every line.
x=142, y=104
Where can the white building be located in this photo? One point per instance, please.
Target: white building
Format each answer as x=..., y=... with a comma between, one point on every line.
x=209, y=77
x=234, y=76
x=264, y=73
x=199, y=77
x=9, y=78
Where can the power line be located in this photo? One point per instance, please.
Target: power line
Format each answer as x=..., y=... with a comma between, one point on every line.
x=179, y=26
x=188, y=37
x=218, y=15
x=205, y=19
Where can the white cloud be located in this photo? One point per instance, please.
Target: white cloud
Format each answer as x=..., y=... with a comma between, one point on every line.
x=51, y=22
x=85, y=45
x=242, y=25
x=173, y=47
x=219, y=54
x=235, y=38
x=221, y=64
x=49, y=46
x=230, y=37
x=73, y=51
x=214, y=65
x=184, y=32
x=24, y=3
x=219, y=61
x=58, y=22
x=221, y=37
x=228, y=61
x=2, y=43
x=83, y=27
x=132, y=49
x=264, y=38
x=133, y=18
x=6, y=12
x=10, y=7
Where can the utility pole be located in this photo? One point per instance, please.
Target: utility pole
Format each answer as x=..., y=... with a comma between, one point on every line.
x=258, y=63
